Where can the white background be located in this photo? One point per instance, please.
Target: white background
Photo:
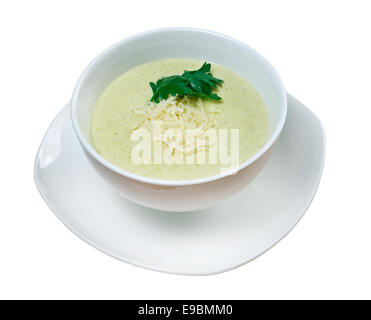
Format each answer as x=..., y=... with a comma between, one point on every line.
x=322, y=50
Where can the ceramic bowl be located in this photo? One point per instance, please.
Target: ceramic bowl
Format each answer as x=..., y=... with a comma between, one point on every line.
x=185, y=195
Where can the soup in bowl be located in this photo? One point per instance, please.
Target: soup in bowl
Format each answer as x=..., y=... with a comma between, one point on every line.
x=178, y=119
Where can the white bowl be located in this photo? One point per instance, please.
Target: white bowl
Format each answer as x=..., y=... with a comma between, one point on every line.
x=185, y=195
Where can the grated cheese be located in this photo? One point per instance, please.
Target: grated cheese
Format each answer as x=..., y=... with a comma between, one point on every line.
x=180, y=115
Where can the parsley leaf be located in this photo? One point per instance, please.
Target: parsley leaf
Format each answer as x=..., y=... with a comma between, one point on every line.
x=197, y=83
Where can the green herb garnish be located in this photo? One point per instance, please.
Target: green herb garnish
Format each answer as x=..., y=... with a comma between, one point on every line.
x=197, y=83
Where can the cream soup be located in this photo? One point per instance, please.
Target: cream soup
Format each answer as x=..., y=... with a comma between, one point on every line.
x=123, y=107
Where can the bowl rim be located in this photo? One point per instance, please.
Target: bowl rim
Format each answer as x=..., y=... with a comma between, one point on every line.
x=125, y=173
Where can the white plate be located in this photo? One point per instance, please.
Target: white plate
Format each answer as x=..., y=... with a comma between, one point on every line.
x=194, y=243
